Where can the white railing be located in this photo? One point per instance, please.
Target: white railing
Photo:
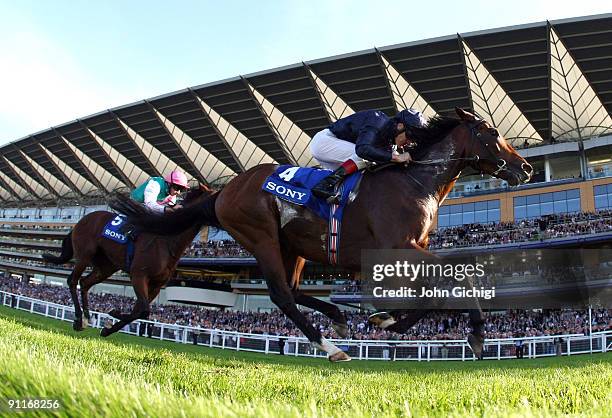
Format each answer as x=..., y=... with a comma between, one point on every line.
x=495, y=349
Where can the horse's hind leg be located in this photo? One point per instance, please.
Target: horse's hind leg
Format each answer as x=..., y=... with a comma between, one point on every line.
x=98, y=275
x=73, y=281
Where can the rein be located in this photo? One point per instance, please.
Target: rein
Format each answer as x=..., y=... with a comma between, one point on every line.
x=475, y=134
x=442, y=160
x=500, y=162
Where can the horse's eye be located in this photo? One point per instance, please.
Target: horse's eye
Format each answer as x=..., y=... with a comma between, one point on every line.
x=494, y=132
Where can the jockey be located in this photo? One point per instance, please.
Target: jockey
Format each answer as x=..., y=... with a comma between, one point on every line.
x=158, y=193
x=367, y=135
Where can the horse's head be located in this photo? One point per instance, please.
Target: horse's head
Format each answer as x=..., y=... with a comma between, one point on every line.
x=491, y=153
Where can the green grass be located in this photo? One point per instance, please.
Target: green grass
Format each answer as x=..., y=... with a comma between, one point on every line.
x=130, y=376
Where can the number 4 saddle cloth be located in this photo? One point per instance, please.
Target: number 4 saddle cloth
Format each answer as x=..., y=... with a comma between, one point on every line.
x=293, y=184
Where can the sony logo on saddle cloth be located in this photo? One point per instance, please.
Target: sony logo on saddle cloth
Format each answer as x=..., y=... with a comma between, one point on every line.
x=287, y=191
x=111, y=230
x=279, y=185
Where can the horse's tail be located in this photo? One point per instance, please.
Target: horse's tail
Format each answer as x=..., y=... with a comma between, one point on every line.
x=193, y=215
x=65, y=256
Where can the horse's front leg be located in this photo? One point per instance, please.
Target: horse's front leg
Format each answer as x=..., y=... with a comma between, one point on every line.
x=400, y=320
x=141, y=308
x=392, y=322
x=272, y=265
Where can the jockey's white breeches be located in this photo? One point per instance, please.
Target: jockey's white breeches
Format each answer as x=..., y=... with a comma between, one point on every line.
x=331, y=151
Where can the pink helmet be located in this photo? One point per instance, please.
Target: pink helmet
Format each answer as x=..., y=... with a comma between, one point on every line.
x=177, y=177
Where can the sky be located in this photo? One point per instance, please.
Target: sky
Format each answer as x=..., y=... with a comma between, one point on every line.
x=61, y=60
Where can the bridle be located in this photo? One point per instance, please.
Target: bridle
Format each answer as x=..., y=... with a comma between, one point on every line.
x=499, y=162
x=475, y=134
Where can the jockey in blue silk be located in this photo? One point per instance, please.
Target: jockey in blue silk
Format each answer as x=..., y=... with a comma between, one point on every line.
x=347, y=144
x=159, y=194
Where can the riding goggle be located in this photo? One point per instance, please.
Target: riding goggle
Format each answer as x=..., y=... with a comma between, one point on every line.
x=178, y=188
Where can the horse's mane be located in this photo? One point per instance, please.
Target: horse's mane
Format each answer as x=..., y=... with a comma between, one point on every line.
x=435, y=131
x=191, y=196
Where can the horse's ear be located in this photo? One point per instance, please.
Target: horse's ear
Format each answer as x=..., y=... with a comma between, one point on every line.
x=465, y=115
x=204, y=188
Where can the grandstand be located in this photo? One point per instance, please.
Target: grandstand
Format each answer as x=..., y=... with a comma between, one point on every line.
x=547, y=86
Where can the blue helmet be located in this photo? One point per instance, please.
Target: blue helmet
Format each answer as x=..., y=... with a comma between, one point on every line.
x=411, y=118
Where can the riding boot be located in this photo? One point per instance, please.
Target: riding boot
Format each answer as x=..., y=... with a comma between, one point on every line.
x=325, y=188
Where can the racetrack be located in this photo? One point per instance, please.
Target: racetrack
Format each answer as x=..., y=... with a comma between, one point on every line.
x=125, y=375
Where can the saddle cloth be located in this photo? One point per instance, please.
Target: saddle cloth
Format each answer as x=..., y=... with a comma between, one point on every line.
x=112, y=230
x=293, y=184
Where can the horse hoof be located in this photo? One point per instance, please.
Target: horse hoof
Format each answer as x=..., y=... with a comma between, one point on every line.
x=381, y=319
x=339, y=356
x=477, y=345
x=77, y=325
x=105, y=332
x=341, y=329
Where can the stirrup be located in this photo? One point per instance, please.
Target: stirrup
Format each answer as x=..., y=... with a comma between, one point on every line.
x=324, y=193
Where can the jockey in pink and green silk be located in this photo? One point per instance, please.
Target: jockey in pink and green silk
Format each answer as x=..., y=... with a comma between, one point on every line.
x=159, y=194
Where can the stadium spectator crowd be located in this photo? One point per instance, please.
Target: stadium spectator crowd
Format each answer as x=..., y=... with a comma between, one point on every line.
x=437, y=325
x=545, y=227
x=222, y=248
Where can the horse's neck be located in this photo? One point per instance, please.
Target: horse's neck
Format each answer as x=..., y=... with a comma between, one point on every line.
x=182, y=240
x=439, y=179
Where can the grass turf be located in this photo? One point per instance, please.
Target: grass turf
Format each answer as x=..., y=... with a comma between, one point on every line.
x=131, y=376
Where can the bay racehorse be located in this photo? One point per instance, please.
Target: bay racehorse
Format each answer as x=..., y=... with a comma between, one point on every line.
x=153, y=263
x=395, y=209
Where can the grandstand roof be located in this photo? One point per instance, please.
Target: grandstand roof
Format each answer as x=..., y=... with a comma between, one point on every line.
x=535, y=82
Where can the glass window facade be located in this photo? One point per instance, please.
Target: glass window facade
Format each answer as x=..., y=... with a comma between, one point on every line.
x=536, y=205
x=603, y=196
x=469, y=213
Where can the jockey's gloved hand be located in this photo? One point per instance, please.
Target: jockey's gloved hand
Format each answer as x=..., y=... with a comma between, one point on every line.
x=170, y=209
x=401, y=158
